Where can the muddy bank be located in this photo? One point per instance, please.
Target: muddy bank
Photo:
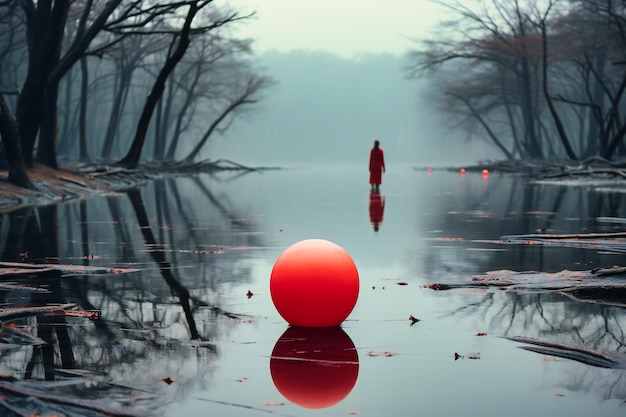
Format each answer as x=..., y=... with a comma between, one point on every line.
x=84, y=180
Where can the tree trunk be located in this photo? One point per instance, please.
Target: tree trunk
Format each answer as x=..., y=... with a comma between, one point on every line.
x=134, y=153
x=48, y=136
x=13, y=147
x=117, y=106
x=171, y=151
x=596, y=135
x=46, y=23
x=163, y=124
x=159, y=140
x=555, y=116
x=82, y=123
x=510, y=116
x=530, y=130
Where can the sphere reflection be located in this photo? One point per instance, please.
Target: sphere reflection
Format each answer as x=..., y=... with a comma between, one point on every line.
x=314, y=367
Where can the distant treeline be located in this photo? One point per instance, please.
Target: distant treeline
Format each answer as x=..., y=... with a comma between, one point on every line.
x=536, y=79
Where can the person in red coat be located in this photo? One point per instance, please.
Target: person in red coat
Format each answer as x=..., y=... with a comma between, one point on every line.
x=377, y=166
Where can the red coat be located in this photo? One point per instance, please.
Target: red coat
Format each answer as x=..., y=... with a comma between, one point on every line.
x=377, y=165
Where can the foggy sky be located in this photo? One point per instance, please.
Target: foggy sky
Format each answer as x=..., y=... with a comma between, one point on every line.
x=327, y=109
x=343, y=27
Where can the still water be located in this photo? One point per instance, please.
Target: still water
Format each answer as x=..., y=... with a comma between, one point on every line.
x=194, y=332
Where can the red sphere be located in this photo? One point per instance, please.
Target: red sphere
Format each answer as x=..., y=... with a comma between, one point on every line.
x=314, y=368
x=314, y=283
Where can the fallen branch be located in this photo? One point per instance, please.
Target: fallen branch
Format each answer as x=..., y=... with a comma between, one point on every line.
x=586, y=172
x=606, y=287
x=9, y=269
x=9, y=314
x=579, y=354
x=10, y=286
x=609, y=272
x=576, y=236
x=613, y=242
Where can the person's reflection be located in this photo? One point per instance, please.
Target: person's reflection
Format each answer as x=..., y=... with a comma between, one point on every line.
x=377, y=209
x=314, y=367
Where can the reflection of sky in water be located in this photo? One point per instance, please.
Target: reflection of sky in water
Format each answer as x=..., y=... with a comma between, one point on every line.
x=422, y=378
x=219, y=238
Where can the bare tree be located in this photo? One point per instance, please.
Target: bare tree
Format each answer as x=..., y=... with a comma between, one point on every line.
x=540, y=67
x=179, y=46
x=497, y=44
x=245, y=97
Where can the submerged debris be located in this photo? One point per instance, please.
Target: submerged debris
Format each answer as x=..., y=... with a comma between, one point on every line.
x=610, y=242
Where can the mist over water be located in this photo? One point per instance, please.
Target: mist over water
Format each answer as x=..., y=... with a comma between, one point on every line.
x=328, y=109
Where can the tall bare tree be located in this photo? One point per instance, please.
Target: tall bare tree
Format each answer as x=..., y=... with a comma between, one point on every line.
x=180, y=44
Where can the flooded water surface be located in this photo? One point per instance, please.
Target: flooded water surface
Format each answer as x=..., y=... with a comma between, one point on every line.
x=183, y=323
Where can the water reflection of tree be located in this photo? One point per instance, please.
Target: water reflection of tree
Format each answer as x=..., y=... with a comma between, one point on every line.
x=165, y=267
x=554, y=318
x=168, y=307
x=479, y=213
x=41, y=226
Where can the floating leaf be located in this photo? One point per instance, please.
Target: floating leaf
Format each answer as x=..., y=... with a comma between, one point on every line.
x=436, y=287
x=473, y=355
x=90, y=314
x=383, y=353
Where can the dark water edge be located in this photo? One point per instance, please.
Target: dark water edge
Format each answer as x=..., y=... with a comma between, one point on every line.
x=180, y=337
